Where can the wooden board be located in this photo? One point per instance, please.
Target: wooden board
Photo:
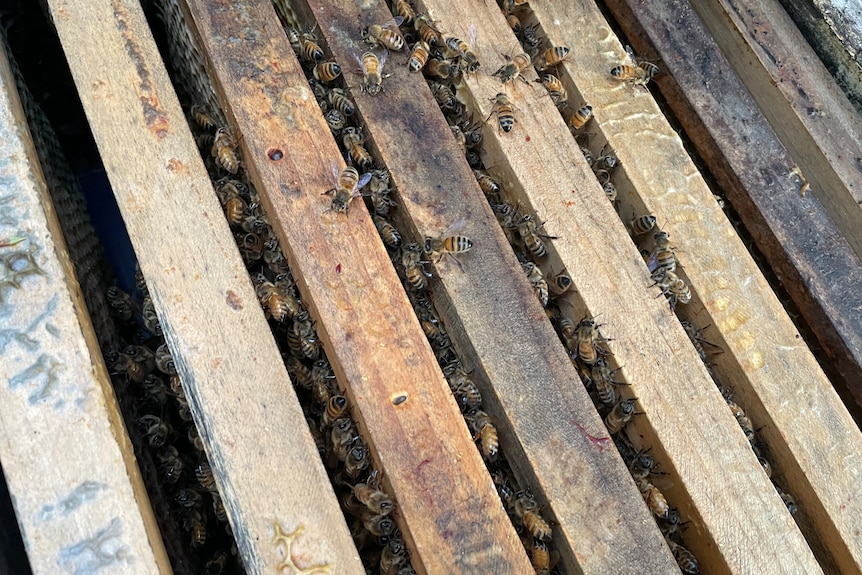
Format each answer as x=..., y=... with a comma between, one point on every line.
x=364, y=318
x=496, y=321
x=88, y=509
x=541, y=162
x=256, y=438
x=808, y=111
x=776, y=379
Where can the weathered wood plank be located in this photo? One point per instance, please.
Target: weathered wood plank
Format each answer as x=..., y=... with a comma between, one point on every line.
x=815, y=264
x=543, y=165
x=805, y=107
x=602, y=524
x=368, y=328
x=812, y=437
x=88, y=509
x=241, y=397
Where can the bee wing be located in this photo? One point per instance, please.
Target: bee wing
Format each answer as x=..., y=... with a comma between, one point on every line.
x=630, y=56
x=456, y=227
x=472, y=34
x=398, y=21
x=336, y=173
x=382, y=59
x=363, y=181
x=359, y=61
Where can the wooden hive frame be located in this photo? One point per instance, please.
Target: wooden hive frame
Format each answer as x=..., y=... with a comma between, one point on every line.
x=552, y=435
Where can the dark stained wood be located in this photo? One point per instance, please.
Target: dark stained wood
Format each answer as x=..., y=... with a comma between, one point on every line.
x=364, y=318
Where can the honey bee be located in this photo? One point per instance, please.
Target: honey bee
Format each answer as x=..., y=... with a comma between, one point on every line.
x=205, y=477
x=171, y=464
x=684, y=559
x=662, y=257
x=349, y=184
x=528, y=229
x=197, y=529
x=419, y=56
x=155, y=430
x=370, y=495
x=273, y=301
x=634, y=71
x=484, y=431
x=472, y=132
x=411, y=259
x=195, y=439
x=188, y=498
x=450, y=244
x=293, y=38
x=537, y=280
x=428, y=33
x=551, y=57
x=560, y=284
x=620, y=415
x=387, y=232
x=743, y=420
x=164, y=361
x=642, y=465
x=335, y=120
x=384, y=36
x=379, y=188
x=309, y=49
x=326, y=71
x=336, y=407
x=603, y=379
x=556, y=91
x=339, y=101
x=250, y=247
x=513, y=68
x=121, y=304
x=460, y=139
x=529, y=37
x=489, y=185
x=527, y=510
x=468, y=60
x=358, y=459
x=155, y=389
x=606, y=160
x=342, y=436
x=514, y=24
x=224, y=150
x=203, y=116
x=393, y=557
x=642, y=224
x=789, y=501
x=354, y=143
x=372, y=69
x=440, y=69
x=467, y=395
x=378, y=525
x=505, y=112
x=405, y=10
x=151, y=319
x=303, y=333
x=672, y=286
x=218, y=508
x=540, y=557
x=581, y=116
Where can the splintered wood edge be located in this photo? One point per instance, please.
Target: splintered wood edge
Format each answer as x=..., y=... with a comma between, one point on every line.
x=610, y=276
x=767, y=361
x=375, y=343
x=751, y=166
x=811, y=115
x=477, y=301
x=241, y=397
x=744, y=150
x=58, y=400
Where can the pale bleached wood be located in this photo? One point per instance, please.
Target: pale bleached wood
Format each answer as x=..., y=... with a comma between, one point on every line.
x=478, y=301
x=712, y=471
x=267, y=466
x=67, y=459
x=815, y=442
x=362, y=314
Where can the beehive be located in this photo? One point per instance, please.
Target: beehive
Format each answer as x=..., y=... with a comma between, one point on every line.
x=797, y=201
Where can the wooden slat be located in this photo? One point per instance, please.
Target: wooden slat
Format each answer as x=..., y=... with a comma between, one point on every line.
x=811, y=436
x=808, y=111
x=364, y=318
x=815, y=264
x=266, y=463
x=712, y=470
x=603, y=526
x=88, y=509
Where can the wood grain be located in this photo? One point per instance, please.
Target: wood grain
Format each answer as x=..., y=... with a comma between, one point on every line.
x=495, y=319
x=81, y=504
x=266, y=463
x=773, y=374
x=364, y=318
x=686, y=422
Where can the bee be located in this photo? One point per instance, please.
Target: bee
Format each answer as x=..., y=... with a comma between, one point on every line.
x=218, y=508
x=697, y=340
x=250, y=247
x=358, y=459
x=188, y=498
x=443, y=95
x=605, y=161
x=387, y=232
x=372, y=69
x=556, y=91
x=540, y=557
x=620, y=415
x=484, y=431
x=121, y=304
x=560, y=284
x=335, y=120
x=354, y=143
x=274, y=304
x=203, y=117
x=638, y=73
x=143, y=357
x=224, y=150
x=681, y=292
x=205, y=477
x=513, y=68
x=428, y=33
x=195, y=439
x=505, y=112
x=529, y=37
x=405, y=10
x=171, y=464
x=551, y=57
x=440, y=69
x=342, y=436
x=411, y=259
x=339, y=101
x=743, y=420
x=468, y=62
x=155, y=389
x=419, y=56
x=684, y=559
x=642, y=465
x=336, y=407
x=293, y=38
x=472, y=132
x=303, y=331
x=489, y=185
x=581, y=116
x=349, y=184
x=514, y=24
x=603, y=378
x=662, y=257
x=309, y=49
x=654, y=498
x=610, y=191
x=642, y=224
x=527, y=510
x=528, y=229
x=467, y=395
x=379, y=189
x=378, y=525
x=370, y=495
x=155, y=430
x=382, y=35
x=151, y=319
x=537, y=280
x=164, y=360
x=393, y=557
x=789, y=501
x=453, y=244
x=506, y=214
x=326, y=71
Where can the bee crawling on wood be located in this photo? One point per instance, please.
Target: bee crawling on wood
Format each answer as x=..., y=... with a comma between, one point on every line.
x=347, y=188
x=385, y=34
x=504, y=109
x=449, y=244
x=513, y=68
x=372, y=72
x=639, y=73
x=224, y=150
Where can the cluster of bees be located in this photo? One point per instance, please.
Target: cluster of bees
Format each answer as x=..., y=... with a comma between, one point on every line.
x=158, y=415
